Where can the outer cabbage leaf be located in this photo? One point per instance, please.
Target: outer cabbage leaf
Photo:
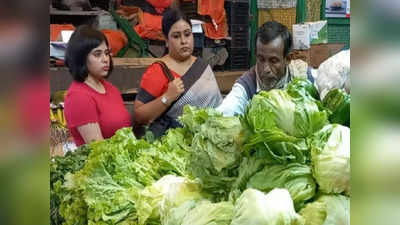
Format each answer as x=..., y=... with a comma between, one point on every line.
x=278, y=124
x=275, y=208
x=302, y=88
x=296, y=178
x=207, y=213
x=338, y=102
x=331, y=159
x=167, y=193
x=216, y=149
x=327, y=210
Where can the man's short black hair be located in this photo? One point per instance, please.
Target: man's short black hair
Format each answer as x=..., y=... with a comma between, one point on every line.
x=82, y=42
x=271, y=30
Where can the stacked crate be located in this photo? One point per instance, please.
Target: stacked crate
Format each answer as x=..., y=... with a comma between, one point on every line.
x=237, y=13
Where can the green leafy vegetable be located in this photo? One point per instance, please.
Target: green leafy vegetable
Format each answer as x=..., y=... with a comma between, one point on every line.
x=256, y=208
x=59, y=167
x=338, y=102
x=302, y=88
x=167, y=193
x=108, y=189
x=331, y=158
x=207, y=213
x=296, y=178
x=327, y=210
x=215, y=150
x=278, y=124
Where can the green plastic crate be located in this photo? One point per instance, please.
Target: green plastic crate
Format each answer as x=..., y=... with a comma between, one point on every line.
x=339, y=31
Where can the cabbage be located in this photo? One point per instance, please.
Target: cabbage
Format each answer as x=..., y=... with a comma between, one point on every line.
x=331, y=159
x=296, y=118
x=108, y=189
x=302, y=88
x=338, y=103
x=168, y=192
x=296, y=178
x=216, y=148
x=327, y=210
x=207, y=213
x=275, y=208
x=176, y=215
x=277, y=124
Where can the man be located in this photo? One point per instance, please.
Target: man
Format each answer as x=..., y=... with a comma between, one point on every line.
x=272, y=70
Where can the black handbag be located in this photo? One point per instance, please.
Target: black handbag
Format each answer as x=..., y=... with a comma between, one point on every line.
x=159, y=126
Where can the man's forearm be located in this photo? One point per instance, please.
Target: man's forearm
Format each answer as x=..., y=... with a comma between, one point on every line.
x=235, y=102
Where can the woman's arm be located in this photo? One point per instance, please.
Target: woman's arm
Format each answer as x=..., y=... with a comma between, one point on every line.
x=145, y=113
x=90, y=132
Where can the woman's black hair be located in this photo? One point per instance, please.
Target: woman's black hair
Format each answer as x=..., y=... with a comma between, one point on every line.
x=170, y=17
x=81, y=43
x=270, y=30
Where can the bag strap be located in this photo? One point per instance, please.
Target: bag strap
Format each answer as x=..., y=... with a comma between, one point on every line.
x=166, y=70
x=168, y=74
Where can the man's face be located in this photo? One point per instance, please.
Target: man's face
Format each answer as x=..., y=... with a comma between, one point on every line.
x=271, y=64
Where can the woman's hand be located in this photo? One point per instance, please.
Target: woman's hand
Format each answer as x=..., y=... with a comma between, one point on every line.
x=175, y=89
x=146, y=113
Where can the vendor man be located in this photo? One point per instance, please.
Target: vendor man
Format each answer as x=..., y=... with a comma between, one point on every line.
x=273, y=68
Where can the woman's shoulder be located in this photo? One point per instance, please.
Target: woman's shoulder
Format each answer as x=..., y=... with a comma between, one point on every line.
x=154, y=73
x=155, y=67
x=78, y=90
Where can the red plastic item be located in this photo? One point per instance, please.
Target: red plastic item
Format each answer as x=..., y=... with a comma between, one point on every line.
x=55, y=30
x=160, y=5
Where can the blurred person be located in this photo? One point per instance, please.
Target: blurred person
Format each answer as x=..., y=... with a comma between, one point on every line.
x=161, y=98
x=24, y=108
x=94, y=109
x=24, y=96
x=273, y=69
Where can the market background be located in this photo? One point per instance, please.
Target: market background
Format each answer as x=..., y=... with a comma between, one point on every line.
x=375, y=118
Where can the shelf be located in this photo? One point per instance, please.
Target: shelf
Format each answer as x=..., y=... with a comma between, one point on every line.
x=74, y=13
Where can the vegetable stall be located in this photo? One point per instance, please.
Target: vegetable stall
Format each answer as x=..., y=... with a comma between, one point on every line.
x=285, y=161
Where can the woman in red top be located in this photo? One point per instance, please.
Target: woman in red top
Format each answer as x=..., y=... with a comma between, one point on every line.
x=93, y=108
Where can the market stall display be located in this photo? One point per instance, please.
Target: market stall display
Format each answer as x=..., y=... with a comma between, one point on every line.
x=282, y=162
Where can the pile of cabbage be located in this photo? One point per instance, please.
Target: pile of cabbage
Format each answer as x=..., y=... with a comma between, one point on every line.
x=282, y=162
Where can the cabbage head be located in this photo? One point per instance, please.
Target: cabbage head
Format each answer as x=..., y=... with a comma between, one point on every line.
x=168, y=192
x=330, y=155
x=275, y=208
x=295, y=177
x=327, y=210
x=207, y=213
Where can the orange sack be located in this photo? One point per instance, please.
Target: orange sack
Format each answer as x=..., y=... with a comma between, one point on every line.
x=150, y=27
x=215, y=9
x=116, y=39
